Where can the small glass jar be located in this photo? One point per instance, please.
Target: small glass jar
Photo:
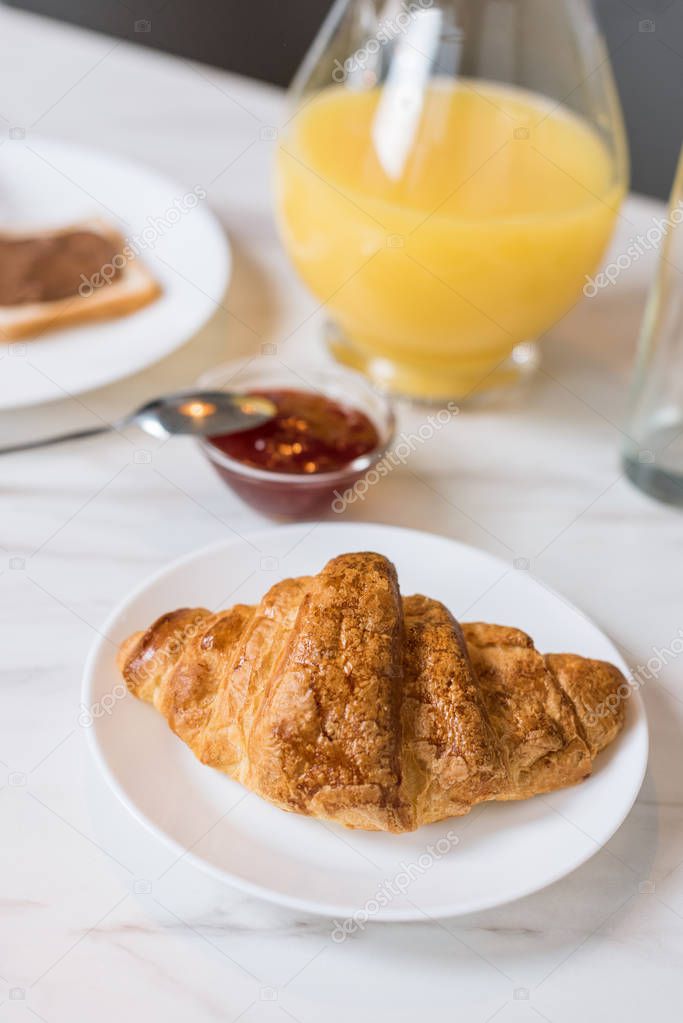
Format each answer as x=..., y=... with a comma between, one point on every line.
x=297, y=494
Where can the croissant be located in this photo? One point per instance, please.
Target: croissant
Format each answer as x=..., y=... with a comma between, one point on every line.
x=337, y=698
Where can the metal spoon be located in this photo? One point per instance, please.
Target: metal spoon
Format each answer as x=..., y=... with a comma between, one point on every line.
x=199, y=413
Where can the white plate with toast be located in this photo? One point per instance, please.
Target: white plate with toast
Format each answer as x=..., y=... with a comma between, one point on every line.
x=499, y=852
x=173, y=264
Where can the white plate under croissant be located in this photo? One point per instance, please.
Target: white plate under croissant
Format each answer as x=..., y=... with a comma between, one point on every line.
x=427, y=739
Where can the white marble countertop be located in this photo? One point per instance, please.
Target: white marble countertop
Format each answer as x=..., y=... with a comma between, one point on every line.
x=98, y=920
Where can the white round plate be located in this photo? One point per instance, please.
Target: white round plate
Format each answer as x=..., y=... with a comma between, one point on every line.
x=500, y=852
x=45, y=183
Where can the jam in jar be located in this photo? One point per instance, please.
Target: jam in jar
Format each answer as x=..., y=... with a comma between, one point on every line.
x=314, y=447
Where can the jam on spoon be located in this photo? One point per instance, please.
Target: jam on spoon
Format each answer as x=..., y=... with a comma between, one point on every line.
x=309, y=434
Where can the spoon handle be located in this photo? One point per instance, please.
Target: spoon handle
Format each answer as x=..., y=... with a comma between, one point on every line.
x=45, y=441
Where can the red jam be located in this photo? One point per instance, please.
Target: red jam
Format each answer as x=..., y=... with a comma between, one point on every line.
x=309, y=434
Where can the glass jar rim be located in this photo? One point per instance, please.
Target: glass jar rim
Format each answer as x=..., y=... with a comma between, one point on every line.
x=384, y=421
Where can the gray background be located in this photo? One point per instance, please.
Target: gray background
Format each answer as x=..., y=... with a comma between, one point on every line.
x=266, y=39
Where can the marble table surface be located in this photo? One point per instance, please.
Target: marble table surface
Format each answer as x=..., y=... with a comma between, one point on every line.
x=99, y=920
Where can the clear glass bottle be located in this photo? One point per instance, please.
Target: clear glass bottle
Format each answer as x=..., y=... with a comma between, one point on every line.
x=450, y=172
x=653, y=452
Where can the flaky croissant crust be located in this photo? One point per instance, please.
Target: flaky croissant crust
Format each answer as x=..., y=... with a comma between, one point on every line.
x=337, y=698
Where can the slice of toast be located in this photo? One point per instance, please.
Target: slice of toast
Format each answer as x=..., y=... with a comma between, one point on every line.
x=132, y=288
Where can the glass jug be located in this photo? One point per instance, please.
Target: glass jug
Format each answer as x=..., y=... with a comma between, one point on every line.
x=449, y=175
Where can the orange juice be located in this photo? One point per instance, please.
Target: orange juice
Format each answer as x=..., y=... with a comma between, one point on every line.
x=441, y=239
